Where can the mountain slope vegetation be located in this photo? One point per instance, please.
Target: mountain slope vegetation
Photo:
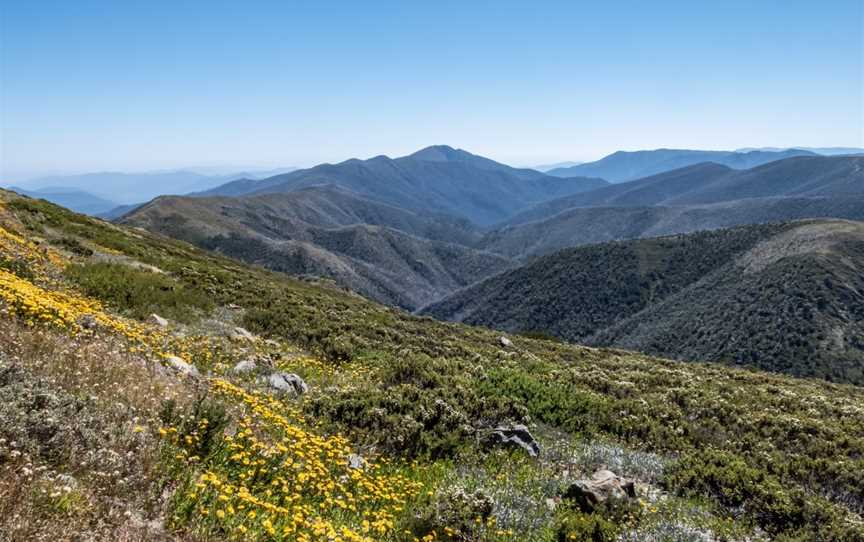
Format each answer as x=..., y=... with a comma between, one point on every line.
x=784, y=297
x=393, y=255
x=626, y=166
x=717, y=452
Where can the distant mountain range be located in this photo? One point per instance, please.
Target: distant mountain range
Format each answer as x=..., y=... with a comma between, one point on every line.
x=418, y=228
x=71, y=198
x=785, y=297
x=99, y=193
x=825, y=151
x=558, y=165
x=625, y=166
x=811, y=176
x=439, y=179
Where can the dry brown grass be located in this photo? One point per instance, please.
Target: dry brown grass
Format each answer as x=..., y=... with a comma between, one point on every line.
x=79, y=455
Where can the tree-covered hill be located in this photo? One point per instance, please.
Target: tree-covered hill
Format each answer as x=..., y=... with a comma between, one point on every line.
x=785, y=297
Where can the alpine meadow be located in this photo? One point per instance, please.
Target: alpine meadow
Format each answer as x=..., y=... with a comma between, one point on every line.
x=400, y=272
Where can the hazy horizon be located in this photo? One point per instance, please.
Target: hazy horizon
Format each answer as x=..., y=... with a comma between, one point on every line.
x=99, y=86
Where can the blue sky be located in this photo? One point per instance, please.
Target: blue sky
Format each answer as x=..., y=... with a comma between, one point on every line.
x=134, y=85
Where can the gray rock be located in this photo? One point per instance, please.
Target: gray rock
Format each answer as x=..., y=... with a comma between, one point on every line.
x=88, y=321
x=355, y=461
x=505, y=342
x=245, y=366
x=514, y=436
x=603, y=486
x=158, y=320
x=181, y=366
x=242, y=334
x=287, y=383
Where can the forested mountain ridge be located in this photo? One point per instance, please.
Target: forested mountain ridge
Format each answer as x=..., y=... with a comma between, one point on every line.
x=785, y=297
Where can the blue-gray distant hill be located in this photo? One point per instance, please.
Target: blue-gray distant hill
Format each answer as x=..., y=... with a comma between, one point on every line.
x=71, y=198
x=438, y=179
x=700, y=197
x=133, y=188
x=625, y=166
x=705, y=183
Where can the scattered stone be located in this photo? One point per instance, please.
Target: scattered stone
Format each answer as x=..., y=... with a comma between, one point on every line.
x=233, y=306
x=515, y=436
x=158, y=320
x=181, y=366
x=271, y=342
x=245, y=366
x=88, y=321
x=242, y=334
x=355, y=461
x=505, y=342
x=603, y=486
x=288, y=383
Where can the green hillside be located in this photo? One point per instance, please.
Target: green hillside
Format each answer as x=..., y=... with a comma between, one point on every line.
x=716, y=452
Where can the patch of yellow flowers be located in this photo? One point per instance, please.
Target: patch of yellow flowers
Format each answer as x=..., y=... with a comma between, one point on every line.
x=277, y=479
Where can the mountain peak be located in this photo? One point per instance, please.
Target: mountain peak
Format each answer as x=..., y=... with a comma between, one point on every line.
x=441, y=153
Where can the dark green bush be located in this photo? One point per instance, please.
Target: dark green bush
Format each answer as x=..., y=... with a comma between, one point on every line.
x=453, y=514
x=73, y=245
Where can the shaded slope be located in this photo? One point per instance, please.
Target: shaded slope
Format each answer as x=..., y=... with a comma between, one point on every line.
x=389, y=254
x=586, y=225
x=784, y=297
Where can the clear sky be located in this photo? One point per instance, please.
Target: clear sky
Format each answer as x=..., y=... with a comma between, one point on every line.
x=135, y=85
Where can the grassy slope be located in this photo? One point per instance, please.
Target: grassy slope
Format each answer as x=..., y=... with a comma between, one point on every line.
x=782, y=453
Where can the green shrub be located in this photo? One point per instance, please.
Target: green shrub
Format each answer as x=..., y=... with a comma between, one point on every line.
x=575, y=526
x=454, y=514
x=139, y=293
x=73, y=245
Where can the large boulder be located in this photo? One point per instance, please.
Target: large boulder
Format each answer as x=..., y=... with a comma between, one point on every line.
x=514, y=436
x=181, y=366
x=505, y=342
x=603, y=486
x=286, y=383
